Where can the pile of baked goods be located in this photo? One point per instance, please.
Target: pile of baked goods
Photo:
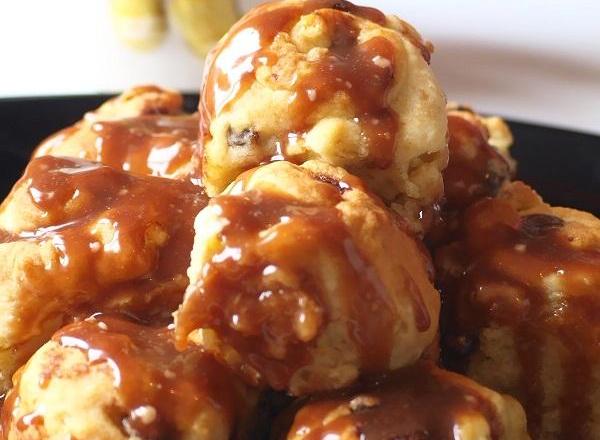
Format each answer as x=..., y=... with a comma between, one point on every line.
x=325, y=250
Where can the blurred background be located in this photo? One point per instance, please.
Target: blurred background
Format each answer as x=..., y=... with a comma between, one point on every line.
x=531, y=60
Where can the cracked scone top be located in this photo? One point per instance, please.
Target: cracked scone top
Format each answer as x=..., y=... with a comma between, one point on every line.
x=301, y=280
x=323, y=79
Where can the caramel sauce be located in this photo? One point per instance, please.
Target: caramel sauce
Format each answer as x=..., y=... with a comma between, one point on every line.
x=161, y=391
x=475, y=169
x=524, y=273
x=156, y=145
x=123, y=243
x=418, y=402
x=349, y=67
x=263, y=292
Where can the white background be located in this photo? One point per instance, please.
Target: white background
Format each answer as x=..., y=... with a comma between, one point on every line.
x=535, y=60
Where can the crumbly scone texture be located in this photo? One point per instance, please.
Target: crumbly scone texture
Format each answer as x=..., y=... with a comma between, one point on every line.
x=502, y=359
x=100, y=249
x=391, y=254
x=262, y=116
x=64, y=392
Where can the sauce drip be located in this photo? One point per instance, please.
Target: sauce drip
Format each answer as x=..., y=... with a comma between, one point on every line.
x=157, y=145
x=122, y=243
x=418, y=402
x=363, y=71
x=475, y=169
x=525, y=274
x=264, y=294
x=161, y=391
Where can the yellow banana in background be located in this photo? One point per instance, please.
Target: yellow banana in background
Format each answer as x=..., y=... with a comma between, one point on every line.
x=141, y=24
x=203, y=22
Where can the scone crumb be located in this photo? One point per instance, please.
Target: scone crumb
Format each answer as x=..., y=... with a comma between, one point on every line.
x=145, y=414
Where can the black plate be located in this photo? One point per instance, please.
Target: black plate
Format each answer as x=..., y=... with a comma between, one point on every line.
x=563, y=166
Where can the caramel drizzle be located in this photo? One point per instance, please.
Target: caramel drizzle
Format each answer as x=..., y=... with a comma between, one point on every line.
x=149, y=376
x=156, y=145
x=522, y=254
x=470, y=177
x=76, y=196
x=415, y=402
x=349, y=67
x=260, y=288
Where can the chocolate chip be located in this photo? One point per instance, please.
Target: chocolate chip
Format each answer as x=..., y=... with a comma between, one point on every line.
x=536, y=225
x=339, y=184
x=496, y=174
x=245, y=138
x=342, y=6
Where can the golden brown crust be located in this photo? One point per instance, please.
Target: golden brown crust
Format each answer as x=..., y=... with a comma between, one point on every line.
x=521, y=284
x=142, y=131
x=81, y=237
x=107, y=378
x=348, y=287
x=332, y=82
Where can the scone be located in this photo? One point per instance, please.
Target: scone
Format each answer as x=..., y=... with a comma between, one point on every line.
x=79, y=237
x=142, y=131
x=301, y=279
x=328, y=80
x=479, y=164
x=420, y=402
x=479, y=158
x=521, y=294
x=109, y=379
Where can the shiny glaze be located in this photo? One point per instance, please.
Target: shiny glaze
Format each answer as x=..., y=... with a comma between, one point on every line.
x=140, y=268
x=347, y=67
x=475, y=170
x=264, y=295
x=509, y=260
x=419, y=402
x=157, y=145
x=150, y=377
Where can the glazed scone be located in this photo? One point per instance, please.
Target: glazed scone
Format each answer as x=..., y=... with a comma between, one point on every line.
x=479, y=158
x=479, y=164
x=77, y=236
x=521, y=291
x=300, y=279
x=418, y=402
x=109, y=379
x=142, y=131
x=328, y=80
